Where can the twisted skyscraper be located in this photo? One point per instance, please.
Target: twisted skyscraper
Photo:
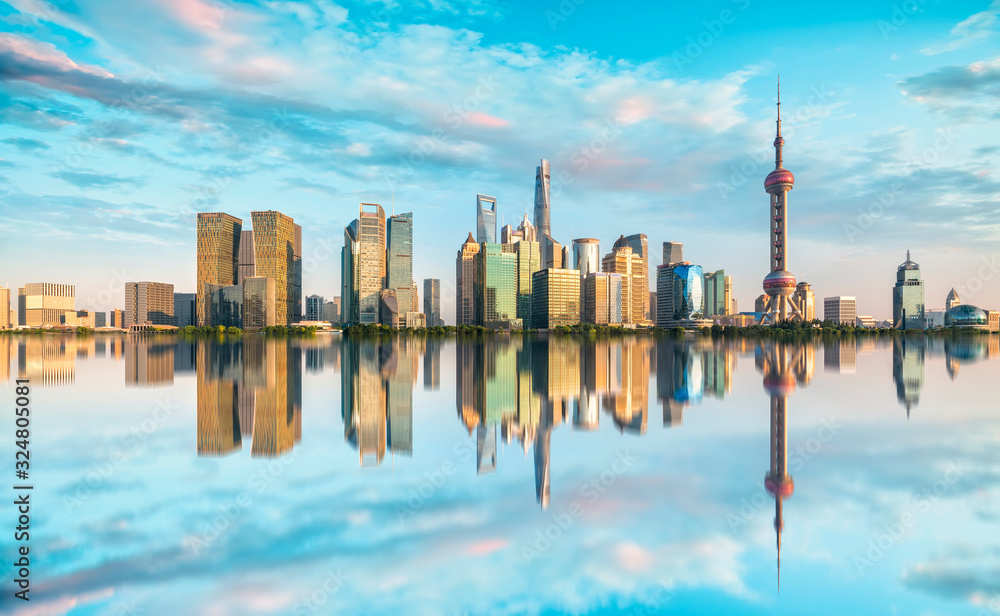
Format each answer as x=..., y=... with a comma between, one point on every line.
x=542, y=190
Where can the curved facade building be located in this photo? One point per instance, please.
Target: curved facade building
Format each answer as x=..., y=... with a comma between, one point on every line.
x=689, y=292
x=966, y=316
x=486, y=219
x=542, y=193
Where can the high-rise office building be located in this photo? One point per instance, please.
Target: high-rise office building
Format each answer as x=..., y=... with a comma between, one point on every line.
x=952, y=300
x=543, y=191
x=225, y=306
x=218, y=236
x=5, y=308
x=185, y=312
x=486, y=219
x=640, y=246
x=602, y=298
x=779, y=284
x=331, y=311
x=908, y=297
x=842, y=310
x=259, y=305
x=496, y=285
x=43, y=303
x=555, y=298
x=635, y=290
x=314, y=308
x=149, y=303
x=465, y=282
x=551, y=252
x=673, y=252
x=399, y=259
x=524, y=232
x=246, y=267
x=363, y=266
x=432, y=302
x=277, y=255
x=414, y=297
x=680, y=295
x=529, y=261
x=718, y=293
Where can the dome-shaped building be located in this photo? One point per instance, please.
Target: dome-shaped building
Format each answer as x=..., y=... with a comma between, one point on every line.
x=967, y=316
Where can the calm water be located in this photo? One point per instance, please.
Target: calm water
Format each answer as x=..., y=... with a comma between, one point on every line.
x=544, y=476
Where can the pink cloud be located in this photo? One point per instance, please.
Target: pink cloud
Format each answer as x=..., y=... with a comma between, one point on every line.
x=47, y=53
x=482, y=548
x=477, y=118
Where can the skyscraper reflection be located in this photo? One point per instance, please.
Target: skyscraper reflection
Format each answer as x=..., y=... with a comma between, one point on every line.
x=149, y=361
x=908, y=369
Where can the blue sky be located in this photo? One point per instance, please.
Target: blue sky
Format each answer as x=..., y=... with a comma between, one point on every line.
x=122, y=119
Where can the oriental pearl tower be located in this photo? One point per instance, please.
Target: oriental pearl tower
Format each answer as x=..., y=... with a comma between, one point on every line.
x=779, y=382
x=779, y=284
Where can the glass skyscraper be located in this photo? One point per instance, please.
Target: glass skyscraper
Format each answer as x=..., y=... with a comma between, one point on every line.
x=908, y=297
x=555, y=298
x=363, y=266
x=688, y=292
x=496, y=285
x=278, y=255
x=399, y=255
x=542, y=196
x=432, y=302
x=529, y=261
x=486, y=219
x=218, y=257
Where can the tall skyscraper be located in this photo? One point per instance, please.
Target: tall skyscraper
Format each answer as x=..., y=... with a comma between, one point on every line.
x=246, y=266
x=640, y=246
x=399, y=258
x=779, y=284
x=432, y=302
x=586, y=259
x=842, y=310
x=465, y=282
x=716, y=297
x=555, y=298
x=486, y=219
x=542, y=196
x=524, y=232
x=551, y=252
x=259, y=302
x=218, y=237
x=680, y=294
x=363, y=266
x=635, y=291
x=5, y=309
x=908, y=297
x=602, y=299
x=44, y=303
x=277, y=255
x=496, y=285
x=673, y=252
x=149, y=302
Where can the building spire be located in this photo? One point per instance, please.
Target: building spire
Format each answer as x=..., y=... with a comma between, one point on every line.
x=778, y=140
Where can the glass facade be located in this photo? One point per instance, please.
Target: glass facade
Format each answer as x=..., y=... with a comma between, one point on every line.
x=149, y=303
x=277, y=255
x=465, y=276
x=529, y=261
x=715, y=294
x=688, y=292
x=542, y=194
x=399, y=256
x=555, y=298
x=496, y=285
x=218, y=256
x=908, y=297
x=486, y=219
x=432, y=302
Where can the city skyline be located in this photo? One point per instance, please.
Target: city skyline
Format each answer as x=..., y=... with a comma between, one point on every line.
x=900, y=122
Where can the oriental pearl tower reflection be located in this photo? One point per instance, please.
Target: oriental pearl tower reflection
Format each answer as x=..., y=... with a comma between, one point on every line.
x=780, y=364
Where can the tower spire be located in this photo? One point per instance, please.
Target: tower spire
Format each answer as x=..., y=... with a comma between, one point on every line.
x=778, y=140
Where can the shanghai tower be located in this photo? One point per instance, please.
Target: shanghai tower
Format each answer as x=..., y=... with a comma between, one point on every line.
x=542, y=185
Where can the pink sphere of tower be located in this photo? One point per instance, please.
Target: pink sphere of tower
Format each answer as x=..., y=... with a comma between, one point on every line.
x=779, y=282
